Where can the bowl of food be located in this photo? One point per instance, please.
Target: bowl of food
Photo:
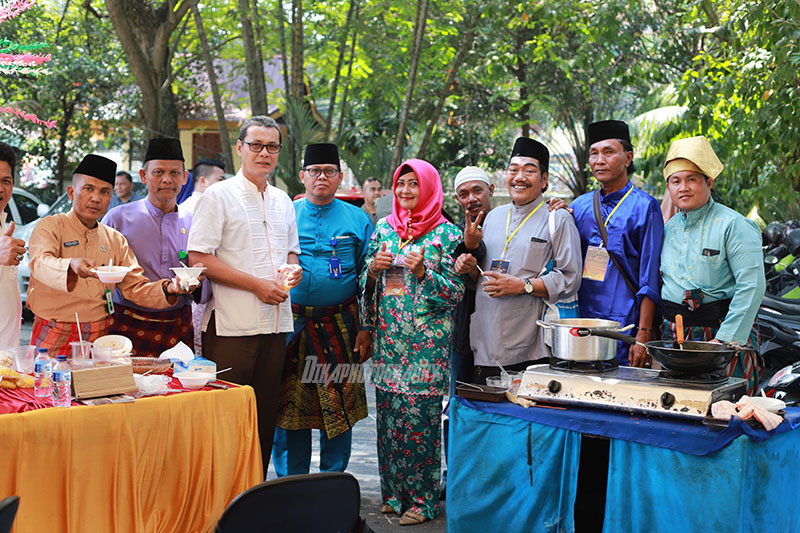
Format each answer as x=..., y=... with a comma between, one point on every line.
x=187, y=276
x=121, y=346
x=194, y=380
x=111, y=274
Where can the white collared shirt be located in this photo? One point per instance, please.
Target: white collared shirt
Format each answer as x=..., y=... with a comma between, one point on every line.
x=10, y=303
x=253, y=233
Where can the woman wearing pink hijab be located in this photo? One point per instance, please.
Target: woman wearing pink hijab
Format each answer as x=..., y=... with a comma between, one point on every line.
x=409, y=291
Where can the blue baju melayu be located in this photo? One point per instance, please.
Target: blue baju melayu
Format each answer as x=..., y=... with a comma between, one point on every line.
x=325, y=325
x=635, y=232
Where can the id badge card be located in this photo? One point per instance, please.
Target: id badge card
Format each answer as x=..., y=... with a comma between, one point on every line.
x=395, y=280
x=501, y=266
x=109, y=301
x=596, y=264
x=334, y=267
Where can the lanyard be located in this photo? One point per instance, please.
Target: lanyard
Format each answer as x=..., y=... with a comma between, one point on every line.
x=617, y=206
x=508, y=221
x=403, y=244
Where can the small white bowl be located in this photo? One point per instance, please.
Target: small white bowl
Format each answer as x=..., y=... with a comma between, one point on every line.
x=188, y=273
x=111, y=274
x=194, y=380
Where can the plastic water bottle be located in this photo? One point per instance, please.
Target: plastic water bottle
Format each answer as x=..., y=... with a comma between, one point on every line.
x=42, y=369
x=62, y=383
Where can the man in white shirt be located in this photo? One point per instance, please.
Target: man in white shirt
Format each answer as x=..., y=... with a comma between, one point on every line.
x=11, y=252
x=205, y=173
x=244, y=231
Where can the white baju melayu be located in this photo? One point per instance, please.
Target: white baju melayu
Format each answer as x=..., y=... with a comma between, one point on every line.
x=253, y=233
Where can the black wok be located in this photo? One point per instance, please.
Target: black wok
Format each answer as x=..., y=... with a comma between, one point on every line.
x=695, y=357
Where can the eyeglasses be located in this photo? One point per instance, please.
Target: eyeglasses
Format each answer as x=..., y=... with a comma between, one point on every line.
x=257, y=147
x=315, y=172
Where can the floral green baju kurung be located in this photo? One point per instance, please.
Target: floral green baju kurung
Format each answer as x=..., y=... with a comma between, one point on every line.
x=411, y=345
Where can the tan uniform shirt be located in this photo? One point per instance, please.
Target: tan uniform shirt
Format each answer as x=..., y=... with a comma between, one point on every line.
x=59, y=238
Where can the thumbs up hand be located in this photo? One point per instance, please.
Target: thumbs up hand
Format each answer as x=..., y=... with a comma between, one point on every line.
x=382, y=261
x=11, y=250
x=415, y=262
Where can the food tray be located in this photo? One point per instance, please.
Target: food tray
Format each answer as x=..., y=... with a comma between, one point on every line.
x=144, y=364
x=485, y=394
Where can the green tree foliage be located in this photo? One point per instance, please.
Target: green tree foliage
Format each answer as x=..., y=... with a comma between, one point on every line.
x=84, y=93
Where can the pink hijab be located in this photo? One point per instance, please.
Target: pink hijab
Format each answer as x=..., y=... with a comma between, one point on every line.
x=428, y=213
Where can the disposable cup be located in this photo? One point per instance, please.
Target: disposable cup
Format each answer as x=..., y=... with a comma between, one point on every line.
x=101, y=355
x=81, y=352
x=23, y=358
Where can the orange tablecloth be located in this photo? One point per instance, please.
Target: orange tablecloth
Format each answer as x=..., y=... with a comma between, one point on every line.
x=160, y=464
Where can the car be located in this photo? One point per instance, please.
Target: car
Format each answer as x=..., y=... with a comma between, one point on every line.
x=61, y=205
x=24, y=208
x=352, y=196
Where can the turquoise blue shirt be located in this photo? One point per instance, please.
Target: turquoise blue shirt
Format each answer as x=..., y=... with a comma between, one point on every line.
x=316, y=226
x=731, y=267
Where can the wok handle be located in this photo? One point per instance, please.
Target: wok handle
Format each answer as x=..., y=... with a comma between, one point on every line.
x=586, y=332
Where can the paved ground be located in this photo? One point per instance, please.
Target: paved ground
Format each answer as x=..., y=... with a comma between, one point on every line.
x=363, y=465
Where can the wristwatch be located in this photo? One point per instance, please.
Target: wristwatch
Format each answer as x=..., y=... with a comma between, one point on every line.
x=528, y=286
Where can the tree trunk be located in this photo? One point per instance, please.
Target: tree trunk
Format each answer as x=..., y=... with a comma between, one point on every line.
x=342, y=45
x=349, y=74
x=144, y=33
x=254, y=61
x=419, y=31
x=520, y=71
x=222, y=124
x=284, y=62
x=63, y=133
x=297, y=80
x=466, y=43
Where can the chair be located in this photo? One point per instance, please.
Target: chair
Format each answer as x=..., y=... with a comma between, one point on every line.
x=8, y=510
x=327, y=502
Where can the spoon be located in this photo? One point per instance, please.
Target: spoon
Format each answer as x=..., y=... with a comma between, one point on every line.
x=679, y=330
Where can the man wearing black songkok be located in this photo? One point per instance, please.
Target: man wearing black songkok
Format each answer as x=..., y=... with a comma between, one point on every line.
x=65, y=252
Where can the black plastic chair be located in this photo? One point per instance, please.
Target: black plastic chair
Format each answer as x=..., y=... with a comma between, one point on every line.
x=328, y=502
x=8, y=510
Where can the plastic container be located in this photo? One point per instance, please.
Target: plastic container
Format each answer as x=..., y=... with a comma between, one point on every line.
x=24, y=358
x=62, y=383
x=42, y=370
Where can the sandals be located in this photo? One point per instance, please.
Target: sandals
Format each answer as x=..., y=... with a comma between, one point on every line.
x=412, y=518
x=386, y=508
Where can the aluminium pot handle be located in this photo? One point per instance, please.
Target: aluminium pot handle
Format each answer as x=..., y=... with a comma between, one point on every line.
x=544, y=325
x=586, y=332
x=626, y=328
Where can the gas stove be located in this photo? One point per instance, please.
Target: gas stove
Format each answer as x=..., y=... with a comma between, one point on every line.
x=635, y=390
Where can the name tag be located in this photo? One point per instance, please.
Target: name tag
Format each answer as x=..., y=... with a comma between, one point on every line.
x=395, y=280
x=70, y=243
x=501, y=266
x=334, y=267
x=596, y=264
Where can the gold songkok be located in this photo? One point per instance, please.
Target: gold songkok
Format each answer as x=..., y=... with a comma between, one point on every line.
x=695, y=154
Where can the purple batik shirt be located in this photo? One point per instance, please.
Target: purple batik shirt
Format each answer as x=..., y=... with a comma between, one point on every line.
x=156, y=239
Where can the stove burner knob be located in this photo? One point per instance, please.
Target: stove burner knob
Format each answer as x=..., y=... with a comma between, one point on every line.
x=554, y=386
x=667, y=400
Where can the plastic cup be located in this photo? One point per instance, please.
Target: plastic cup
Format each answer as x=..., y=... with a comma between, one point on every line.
x=285, y=271
x=101, y=355
x=23, y=358
x=80, y=354
x=496, y=381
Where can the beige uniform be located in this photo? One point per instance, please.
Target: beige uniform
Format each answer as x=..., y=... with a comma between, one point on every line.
x=59, y=238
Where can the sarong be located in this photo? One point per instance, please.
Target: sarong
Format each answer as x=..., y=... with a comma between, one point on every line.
x=323, y=381
x=152, y=332
x=56, y=336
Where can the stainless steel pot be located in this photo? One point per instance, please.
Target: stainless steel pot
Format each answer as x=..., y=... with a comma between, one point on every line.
x=569, y=347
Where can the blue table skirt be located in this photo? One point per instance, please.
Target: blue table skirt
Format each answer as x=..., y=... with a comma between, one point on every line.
x=502, y=471
x=674, y=433
x=509, y=473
